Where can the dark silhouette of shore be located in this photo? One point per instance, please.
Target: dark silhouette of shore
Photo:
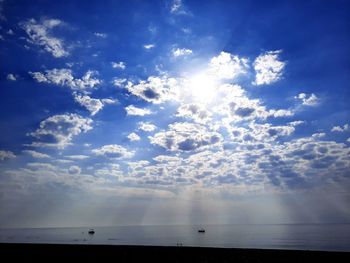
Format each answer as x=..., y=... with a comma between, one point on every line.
x=112, y=253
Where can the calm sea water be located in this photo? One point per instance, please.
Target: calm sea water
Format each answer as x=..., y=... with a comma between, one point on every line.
x=333, y=237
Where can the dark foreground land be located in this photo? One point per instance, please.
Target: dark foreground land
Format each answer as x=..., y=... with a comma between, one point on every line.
x=109, y=253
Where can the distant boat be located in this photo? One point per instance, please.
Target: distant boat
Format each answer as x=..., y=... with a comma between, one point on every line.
x=201, y=230
x=91, y=231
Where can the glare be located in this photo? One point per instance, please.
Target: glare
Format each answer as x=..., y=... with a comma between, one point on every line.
x=203, y=87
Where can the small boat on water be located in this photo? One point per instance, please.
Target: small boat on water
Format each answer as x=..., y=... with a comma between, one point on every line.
x=201, y=230
x=91, y=231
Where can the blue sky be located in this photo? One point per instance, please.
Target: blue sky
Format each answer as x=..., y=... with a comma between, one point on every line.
x=174, y=112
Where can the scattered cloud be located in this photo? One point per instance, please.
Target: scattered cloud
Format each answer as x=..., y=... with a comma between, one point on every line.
x=194, y=111
x=147, y=126
x=40, y=34
x=36, y=166
x=185, y=136
x=268, y=68
x=281, y=113
x=77, y=157
x=119, y=82
x=11, y=77
x=133, y=137
x=59, y=130
x=155, y=89
x=113, y=151
x=92, y=105
x=36, y=154
x=296, y=123
x=111, y=169
x=180, y=52
x=263, y=132
x=100, y=35
x=345, y=127
x=118, y=65
x=308, y=100
x=186, y=30
x=6, y=155
x=109, y=101
x=227, y=66
x=176, y=5
x=64, y=77
x=74, y=170
x=177, y=8
x=318, y=135
x=131, y=110
x=149, y=46
x=236, y=106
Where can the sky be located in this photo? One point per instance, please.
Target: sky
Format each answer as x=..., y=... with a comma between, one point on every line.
x=174, y=112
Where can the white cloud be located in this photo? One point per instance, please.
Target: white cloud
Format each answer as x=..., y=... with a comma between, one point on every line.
x=59, y=130
x=296, y=123
x=118, y=65
x=156, y=89
x=281, y=113
x=265, y=132
x=6, y=155
x=74, y=170
x=77, y=157
x=186, y=30
x=179, y=52
x=113, y=151
x=41, y=166
x=134, y=111
x=147, y=126
x=177, y=8
x=109, y=101
x=185, y=136
x=39, y=34
x=308, y=100
x=64, y=161
x=149, y=46
x=92, y=105
x=111, y=170
x=194, y=111
x=227, y=66
x=11, y=77
x=10, y=32
x=236, y=106
x=176, y=5
x=36, y=154
x=346, y=127
x=101, y=35
x=256, y=133
x=64, y=77
x=133, y=137
x=251, y=166
x=318, y=135
x=268, y=68
x=119, y=82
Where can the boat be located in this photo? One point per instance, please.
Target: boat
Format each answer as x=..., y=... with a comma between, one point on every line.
x=91, y=231
x=201, y=230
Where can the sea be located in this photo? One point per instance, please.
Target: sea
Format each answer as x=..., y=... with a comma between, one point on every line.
x=326, y=237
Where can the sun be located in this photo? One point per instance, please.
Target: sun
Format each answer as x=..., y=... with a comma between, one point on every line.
x=202, y=87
